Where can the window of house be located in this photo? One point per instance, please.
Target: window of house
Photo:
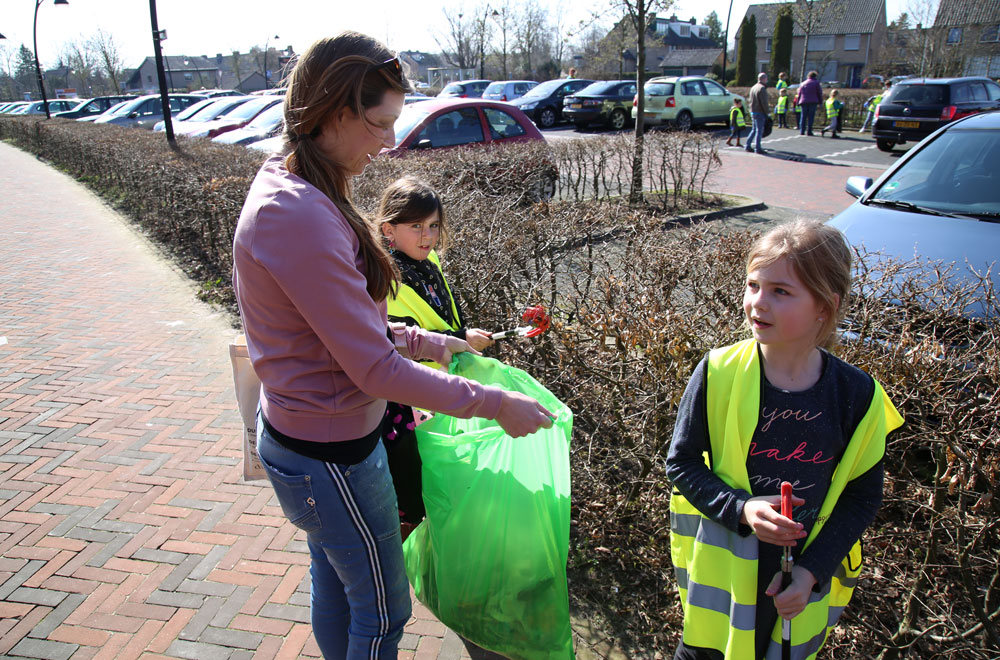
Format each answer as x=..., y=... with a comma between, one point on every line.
x=685, y=30
x=990, y=33
x=955, y=35
x=767, y=45
x=188, y=76
x=661, y=27
x=149, y=78
x=852, y=41
x=821, y=42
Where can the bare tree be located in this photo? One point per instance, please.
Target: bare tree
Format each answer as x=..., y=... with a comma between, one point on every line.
x=109, y=57
x=812, y=16
x=81, y=61
x=530, y=32
x=503, y=16
x=459, y=40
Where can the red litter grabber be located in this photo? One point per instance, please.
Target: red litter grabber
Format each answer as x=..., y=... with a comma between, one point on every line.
x=538, y=322
x=786, y=572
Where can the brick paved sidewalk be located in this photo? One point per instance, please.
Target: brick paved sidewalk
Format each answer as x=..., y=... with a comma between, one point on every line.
x=125, y=528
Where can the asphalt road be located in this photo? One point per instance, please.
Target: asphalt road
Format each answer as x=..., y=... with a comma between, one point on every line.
x=853, y=148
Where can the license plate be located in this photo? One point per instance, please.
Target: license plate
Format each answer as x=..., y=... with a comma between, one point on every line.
x=906, y=124
x=576, y=106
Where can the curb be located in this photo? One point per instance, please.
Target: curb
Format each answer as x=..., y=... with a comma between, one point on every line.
x=752, y=204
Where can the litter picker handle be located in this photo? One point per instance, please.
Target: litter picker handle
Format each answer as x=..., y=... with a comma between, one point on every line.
x=786, y=572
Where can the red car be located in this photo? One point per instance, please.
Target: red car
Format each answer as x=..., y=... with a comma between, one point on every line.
x=440, y=123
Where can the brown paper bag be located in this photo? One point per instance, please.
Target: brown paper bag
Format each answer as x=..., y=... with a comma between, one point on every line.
x=247, y=397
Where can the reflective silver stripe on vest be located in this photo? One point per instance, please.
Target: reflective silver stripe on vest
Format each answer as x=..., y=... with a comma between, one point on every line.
x=681, y=575
x=718, y=600
x=841, y=574
x=712, y=533
x=833, y=615
x=799, y=651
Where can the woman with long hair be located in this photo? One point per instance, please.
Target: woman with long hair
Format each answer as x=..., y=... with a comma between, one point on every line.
x=311, y=278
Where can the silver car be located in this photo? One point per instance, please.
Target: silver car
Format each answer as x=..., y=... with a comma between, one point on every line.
x=940, y=201
x=145, y=111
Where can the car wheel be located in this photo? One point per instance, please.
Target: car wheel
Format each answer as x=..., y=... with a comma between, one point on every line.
x=547, y=118
x=684, y=121
x=885, y=145
x=617, y=120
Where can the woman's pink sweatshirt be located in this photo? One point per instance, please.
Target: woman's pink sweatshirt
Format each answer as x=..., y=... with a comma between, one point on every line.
x=317, y=340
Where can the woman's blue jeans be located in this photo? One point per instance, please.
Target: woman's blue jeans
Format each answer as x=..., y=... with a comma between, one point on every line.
x=360, y=596
x=807, y=117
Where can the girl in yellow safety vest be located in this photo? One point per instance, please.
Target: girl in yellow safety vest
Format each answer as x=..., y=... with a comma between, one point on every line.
x=737, y=121
x=776, y=407
x=834, y=107
x=781, y=108
x=412, y=220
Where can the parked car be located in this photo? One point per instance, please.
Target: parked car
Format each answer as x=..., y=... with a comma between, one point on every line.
x=266, y=124
x=184, y=114
x=544, y=102
x=11, y=107
x=216, y=93
x=238, y=117
x=684, y=101
x=55, y=105
x=938, y=201
x=416, y=97
x=507, y=90
x=606, y=101
x=916, y=107
x=92, y=107
x=113, y=111
x=466, y=89
x=442, y=123
x=217, y=107
x=145, y=111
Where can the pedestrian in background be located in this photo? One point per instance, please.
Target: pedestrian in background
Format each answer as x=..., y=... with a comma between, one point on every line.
x=834, y=107
x=871, y=105
x=781, y=108
x=759, y=109
x=782, y=82
x=808, y=98
x=736, y=122
x=311, y=278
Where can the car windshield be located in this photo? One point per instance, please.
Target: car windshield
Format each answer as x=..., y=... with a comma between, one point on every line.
x=918, y=94
x=194, y=109
x=454, y=88
x=216, y=107
x=119, y=109
x=956, y=173
x=408, y=119
x=248, y=110
x=598, y=88
x=542, y=90
x=659, y=89
x=268, y=119
x=493, y=88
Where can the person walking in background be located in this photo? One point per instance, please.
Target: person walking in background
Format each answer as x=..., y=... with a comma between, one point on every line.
x=781, y=108
x=871, y=105
x=809, y=96
x=776, y=407
x=737, y=122
x=833, y=114
x=759, y=109
x=311, y=278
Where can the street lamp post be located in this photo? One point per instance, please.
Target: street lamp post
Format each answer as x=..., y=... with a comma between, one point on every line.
x=38, y=67
x=267, y=77
x=158, y=36
x=482, y=45
x=725, y=43
x=503, y=31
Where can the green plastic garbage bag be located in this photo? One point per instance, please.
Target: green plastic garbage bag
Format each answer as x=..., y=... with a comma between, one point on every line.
x=489, y=560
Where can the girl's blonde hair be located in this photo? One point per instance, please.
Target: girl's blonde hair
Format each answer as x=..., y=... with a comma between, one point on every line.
x=408, y=200
x=820, y=257
x=350, y=71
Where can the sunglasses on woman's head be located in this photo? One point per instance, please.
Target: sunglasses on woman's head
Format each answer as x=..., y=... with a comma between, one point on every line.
x=393, y=67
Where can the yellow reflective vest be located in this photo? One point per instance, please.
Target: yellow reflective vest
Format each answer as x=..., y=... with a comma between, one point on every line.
x=833, y=107
x=716, y=568
x=782, y=105
x=407, y=302
x=736, y=117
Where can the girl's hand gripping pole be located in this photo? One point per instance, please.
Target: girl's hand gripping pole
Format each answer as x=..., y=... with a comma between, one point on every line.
x=786, y=572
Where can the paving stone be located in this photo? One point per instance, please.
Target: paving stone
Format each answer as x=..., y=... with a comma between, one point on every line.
x=175, y=599
x=42, y=649
x=206, y=588
x=159, y=556
x=54, y=618
x=228, y=637
x=202, y=618
x=287, y=612
x=15, y=580
x=199, y=651
x=208, y=563
x=46, y=597
x=172, y=581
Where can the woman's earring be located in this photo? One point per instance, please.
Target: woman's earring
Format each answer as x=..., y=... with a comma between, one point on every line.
x=392, y=246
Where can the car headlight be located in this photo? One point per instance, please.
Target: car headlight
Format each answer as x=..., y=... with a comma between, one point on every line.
x=529, y=106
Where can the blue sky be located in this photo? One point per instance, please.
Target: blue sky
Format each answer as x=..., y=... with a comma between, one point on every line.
x=207, y=27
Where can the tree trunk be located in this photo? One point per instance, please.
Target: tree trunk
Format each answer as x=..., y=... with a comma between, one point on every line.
x=635, y=194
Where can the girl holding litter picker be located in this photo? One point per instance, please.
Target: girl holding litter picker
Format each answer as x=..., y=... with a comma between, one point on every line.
x=776, y=407
x=412, y=221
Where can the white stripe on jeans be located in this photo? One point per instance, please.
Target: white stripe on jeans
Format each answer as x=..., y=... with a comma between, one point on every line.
x=381, y=604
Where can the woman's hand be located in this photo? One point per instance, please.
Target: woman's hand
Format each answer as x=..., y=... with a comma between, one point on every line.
x=521, y=415
x=763, y=515
x=454, y=345
x=478, y=339
x=793, y=599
